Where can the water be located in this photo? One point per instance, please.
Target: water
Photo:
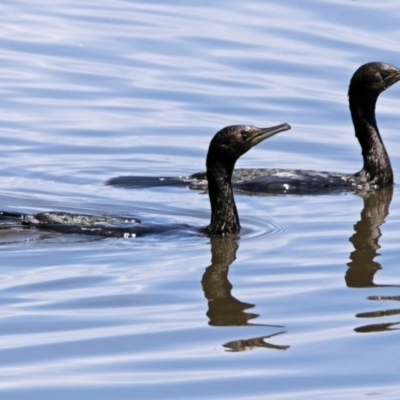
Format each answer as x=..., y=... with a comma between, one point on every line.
x=93, y=90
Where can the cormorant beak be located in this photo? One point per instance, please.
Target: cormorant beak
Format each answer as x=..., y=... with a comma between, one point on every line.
x=260, y=134
x=392, y=78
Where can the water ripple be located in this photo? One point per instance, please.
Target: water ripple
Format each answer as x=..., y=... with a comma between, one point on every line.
x=92, y=90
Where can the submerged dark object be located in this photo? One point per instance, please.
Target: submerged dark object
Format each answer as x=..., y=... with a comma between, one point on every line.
x=367, y=83
x=62, y=222
x=225, y=149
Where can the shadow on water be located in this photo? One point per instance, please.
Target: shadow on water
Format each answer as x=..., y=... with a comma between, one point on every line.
x=362, y=267
x=223, y=308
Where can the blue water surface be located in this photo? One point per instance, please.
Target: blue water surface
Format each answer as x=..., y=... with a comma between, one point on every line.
x=304, y=305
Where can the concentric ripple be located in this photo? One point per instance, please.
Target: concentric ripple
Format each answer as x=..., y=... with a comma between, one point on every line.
x=253, y=228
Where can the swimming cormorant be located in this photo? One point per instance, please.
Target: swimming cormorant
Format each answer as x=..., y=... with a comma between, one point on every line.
x=367, y=83
x=225, y=148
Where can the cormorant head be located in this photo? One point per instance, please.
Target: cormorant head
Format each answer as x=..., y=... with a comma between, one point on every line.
x=225, y=148
x=374, y=77
x=233, y=141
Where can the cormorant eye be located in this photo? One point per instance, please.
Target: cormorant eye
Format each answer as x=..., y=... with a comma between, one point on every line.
x=385, y=73
x=244, y=134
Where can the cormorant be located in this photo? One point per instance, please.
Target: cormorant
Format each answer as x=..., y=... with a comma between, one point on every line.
x=225, y=148
x=367, y=83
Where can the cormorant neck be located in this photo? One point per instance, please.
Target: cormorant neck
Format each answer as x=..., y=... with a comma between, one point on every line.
x=224, y=215
x=377, y=169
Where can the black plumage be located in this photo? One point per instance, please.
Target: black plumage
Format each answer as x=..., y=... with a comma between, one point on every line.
x=367, y=83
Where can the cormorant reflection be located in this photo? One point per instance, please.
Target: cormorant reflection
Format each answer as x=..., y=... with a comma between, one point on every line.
x=249, y=344
x=223, y=308
x=388, y=326
x=362, y=266
x=365, y=240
